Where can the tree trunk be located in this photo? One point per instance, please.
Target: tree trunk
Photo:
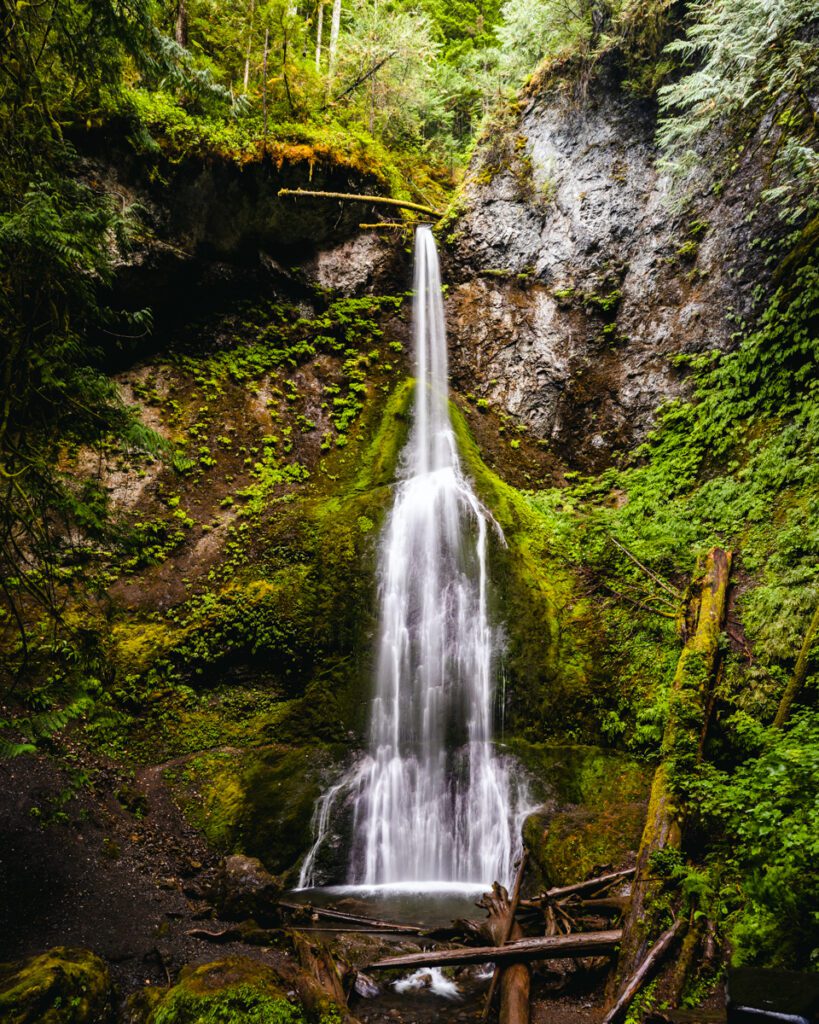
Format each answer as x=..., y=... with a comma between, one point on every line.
x=681, y=746
x=515, y=981
x=246, y=79
x=319, y=983
x=800, y=673
x=644, y=970
x=181, y=26
x=264, y=87
x=335, y=27
x=319, y=32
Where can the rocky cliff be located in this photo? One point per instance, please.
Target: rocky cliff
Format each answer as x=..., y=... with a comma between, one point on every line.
x=577, y=278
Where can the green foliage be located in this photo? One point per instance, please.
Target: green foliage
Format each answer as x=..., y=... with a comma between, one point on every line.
x=735, y=466
x=744, y=62
x=761, y=818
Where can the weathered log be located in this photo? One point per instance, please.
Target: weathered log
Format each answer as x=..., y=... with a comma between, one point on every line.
x=515, y=980
x=685, y=961
x=635, y=982
x=375, y=924
x=681, y=745
x=561, y=892
x=306, y=193
x=553, y=947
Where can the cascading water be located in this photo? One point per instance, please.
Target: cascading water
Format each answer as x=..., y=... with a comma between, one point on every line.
x=432, y=802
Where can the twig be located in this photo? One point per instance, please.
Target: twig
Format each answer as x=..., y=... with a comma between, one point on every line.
x=657, y=579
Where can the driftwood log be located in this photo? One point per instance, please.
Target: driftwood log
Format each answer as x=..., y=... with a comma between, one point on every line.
x=553, y=947
x=682, y=745
x=515, y=980
x=591, y=885
x=372, y=923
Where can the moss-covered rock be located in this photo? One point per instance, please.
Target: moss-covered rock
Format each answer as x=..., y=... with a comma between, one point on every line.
x=593, y=812
x=236, y=990
x=258, y=802
x=61, y=986
x=546, y=618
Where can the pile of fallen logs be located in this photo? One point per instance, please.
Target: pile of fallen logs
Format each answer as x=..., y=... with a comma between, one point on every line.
x=560, y=924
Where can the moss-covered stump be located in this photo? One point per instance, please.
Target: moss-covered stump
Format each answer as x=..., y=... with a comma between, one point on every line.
x=593, y=812
x=236, y=990
x=61, y=986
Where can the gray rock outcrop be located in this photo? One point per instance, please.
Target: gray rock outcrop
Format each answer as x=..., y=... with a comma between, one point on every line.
x=575, y=285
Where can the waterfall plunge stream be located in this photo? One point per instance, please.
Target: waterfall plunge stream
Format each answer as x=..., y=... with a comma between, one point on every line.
x=432, y=802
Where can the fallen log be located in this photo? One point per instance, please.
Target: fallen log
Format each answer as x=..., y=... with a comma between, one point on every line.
x=633, y=984
x=339, y=915
x=306, y=193
x=553, y=947
x=515, y=980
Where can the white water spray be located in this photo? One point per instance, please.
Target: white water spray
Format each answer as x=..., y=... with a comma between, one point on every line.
x=432, y=801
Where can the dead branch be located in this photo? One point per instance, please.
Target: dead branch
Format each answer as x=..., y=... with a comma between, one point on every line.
x=307, y=910
x=305, y=193
x=635, y=982
x=652, y=575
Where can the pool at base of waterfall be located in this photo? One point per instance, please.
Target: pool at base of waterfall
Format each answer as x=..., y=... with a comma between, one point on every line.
x=431, y=904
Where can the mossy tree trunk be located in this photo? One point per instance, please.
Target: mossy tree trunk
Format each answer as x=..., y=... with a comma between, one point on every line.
x=681, y=749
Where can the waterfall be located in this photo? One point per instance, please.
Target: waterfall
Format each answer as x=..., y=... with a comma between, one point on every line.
x=432, y=802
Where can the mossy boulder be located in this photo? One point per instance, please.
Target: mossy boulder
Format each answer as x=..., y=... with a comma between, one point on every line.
x=259, y=802
x=593, y=812
x=61, y=986
x=236, y=990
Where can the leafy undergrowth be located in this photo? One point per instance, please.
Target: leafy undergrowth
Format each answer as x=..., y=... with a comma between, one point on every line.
x=735, y=467
x=162, y=124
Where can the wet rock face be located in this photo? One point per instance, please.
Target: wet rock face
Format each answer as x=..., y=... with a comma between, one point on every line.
x=212, y=231
x=575, y=284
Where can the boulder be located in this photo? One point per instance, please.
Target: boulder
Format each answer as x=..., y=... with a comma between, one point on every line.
x=236, y=988
x=592, y=815
x=246, y=889
x=60, y=986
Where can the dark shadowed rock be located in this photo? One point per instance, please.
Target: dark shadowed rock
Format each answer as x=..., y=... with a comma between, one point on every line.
x=245, y=888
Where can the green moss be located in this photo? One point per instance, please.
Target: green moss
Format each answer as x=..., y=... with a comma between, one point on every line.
x=538, y=601
x=236, y=990
x=62, y=986
x=259, y=802
x=594, y=813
